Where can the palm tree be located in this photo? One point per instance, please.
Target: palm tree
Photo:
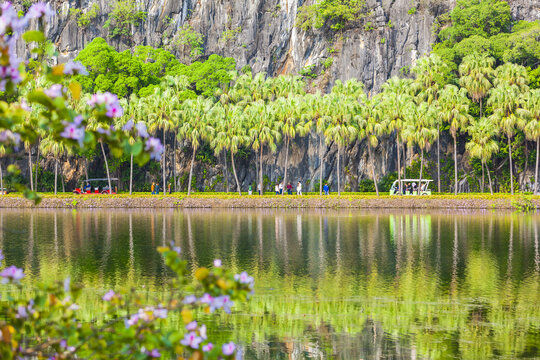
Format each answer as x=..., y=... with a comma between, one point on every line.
x=162, y=107
x=314, y=108
x=454, y=109
x=340, y=129
x=476, y=71
x=370, y=127
x=482, y=145
x=431, y=75
x=396, y=99
x=504, y=100
x=263, y=130
x=55, y=148
x=195, y=126
x=531, y=104
x=421, y=130
x=230, y=133
x=289, y=113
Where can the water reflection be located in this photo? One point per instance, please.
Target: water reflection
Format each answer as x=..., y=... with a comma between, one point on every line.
x=345, y=285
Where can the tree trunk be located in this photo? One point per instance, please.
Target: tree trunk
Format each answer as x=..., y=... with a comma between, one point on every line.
x=320, y=165
x=526, y=168
x=373, y=169
x=404, y=161
x=191, y=171
x=536, y=168
x=489, y=178
x=338, y=171
x=164, y=169
x=30, y=168
x=261, y=172
x=511, y=169
x=286, y=164
x=1, y=181
x=37, y=165
x=398, y=167
x=455, y=166
x=483, y=177
x=421, y=168
x=86, y=168
x=63, y=181
x=174, y=167
x=131, y=174
x=106, y=166
x=226, y=171
x=438, y=162
x=55, y=174
x=235, y=175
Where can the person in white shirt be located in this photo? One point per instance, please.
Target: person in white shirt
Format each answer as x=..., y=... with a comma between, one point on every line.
x=280, y=188
x=299, y=188
x=277, y=189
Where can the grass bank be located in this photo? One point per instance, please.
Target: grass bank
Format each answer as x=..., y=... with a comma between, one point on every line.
x=221, y=200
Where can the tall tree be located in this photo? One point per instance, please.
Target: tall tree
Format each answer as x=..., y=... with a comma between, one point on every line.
x=195, y=126
x=49, y=146
x=454, y=109
x=431, y=73
x=371, y=127
x=482, y=144
x=476, y=71
x=530, y=103
x=421, y=130
x=396, y=100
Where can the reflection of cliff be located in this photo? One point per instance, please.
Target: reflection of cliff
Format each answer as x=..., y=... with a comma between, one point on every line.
x=329, y=284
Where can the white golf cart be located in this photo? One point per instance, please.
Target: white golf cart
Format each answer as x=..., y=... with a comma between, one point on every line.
x=424, y=187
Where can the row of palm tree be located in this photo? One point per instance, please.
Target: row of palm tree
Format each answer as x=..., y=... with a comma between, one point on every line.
x=258, y=112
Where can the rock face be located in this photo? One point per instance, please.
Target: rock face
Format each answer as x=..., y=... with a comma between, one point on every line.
x=263, y=35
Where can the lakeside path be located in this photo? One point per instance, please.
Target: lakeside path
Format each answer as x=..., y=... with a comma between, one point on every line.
x=353, y=201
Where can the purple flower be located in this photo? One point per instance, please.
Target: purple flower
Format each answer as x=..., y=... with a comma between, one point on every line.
x=208, y=347
x=192, y=340
x=153, y=145
x=38, y=10
x=109, y=101
x=24, y=105
x=160, y=313
x=191, y=326
x=74, y=132
x=114, y=111
x=244, y=278
x=141, y=129
x=54, y=91
x=206, y=299
x=75, y=68
x=154, y=353
x=129, y=125
x=11, y=274
x=217, y=263
x=21, y=312
x=133, y=320
x=109, y=295
x=190, y=299
x=228, y=349
x=223, y=301
x=1, y=256
x=7, y=136
x=10, y=21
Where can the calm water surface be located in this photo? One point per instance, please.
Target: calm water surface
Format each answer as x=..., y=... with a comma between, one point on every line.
x=345, y=285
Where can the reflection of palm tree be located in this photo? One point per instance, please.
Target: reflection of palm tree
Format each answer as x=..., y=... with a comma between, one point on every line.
x=455, y=259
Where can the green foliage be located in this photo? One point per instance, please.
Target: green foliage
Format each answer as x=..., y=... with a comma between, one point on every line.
x=366, y=185
x=334, y=13
x=193, y=40
x=85, y=18
x=210, y=75
x=328, y=62
x=383, y=40
x=123, y=16
x=307, y=71
x=369, y=26
x=230, y=34
x=412, y=11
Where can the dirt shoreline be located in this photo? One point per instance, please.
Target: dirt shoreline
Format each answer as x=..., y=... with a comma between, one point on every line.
x=277, y=202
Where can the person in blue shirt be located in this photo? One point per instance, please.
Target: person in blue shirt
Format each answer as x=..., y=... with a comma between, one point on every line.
x=326, y=189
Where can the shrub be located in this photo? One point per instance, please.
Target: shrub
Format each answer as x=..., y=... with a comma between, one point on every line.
x=123, y=16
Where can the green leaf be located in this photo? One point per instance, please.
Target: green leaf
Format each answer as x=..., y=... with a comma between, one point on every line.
x=33, y=35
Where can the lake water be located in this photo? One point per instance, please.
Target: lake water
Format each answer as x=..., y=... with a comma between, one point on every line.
x=329, y=284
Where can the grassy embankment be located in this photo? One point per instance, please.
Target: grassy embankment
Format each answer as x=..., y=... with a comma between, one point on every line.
x=270, y=200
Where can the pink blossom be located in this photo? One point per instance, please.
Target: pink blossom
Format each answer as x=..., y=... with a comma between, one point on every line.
x=153, y=145
x=190, y=299
x=192, y=340
x=160, y=313
x=39, y=10
x=191, y=326
x=74, y=132
x=133, y=320
x=217, y=263
x=141, y=129
x=208, y=347
x=114, y=111
x=129, y=125
x=75, y=68
x=11, y=274
x=109, y=295
x=54, y=91
x=228, y=349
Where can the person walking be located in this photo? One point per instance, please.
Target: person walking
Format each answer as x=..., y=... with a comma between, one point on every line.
x=289, y=189
x=280, y=188
x=259, y=188
x=153, y=188
x=157, y=188
x=326, y=189
x=277, y=189
x=250, y=190
x=299, y=188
